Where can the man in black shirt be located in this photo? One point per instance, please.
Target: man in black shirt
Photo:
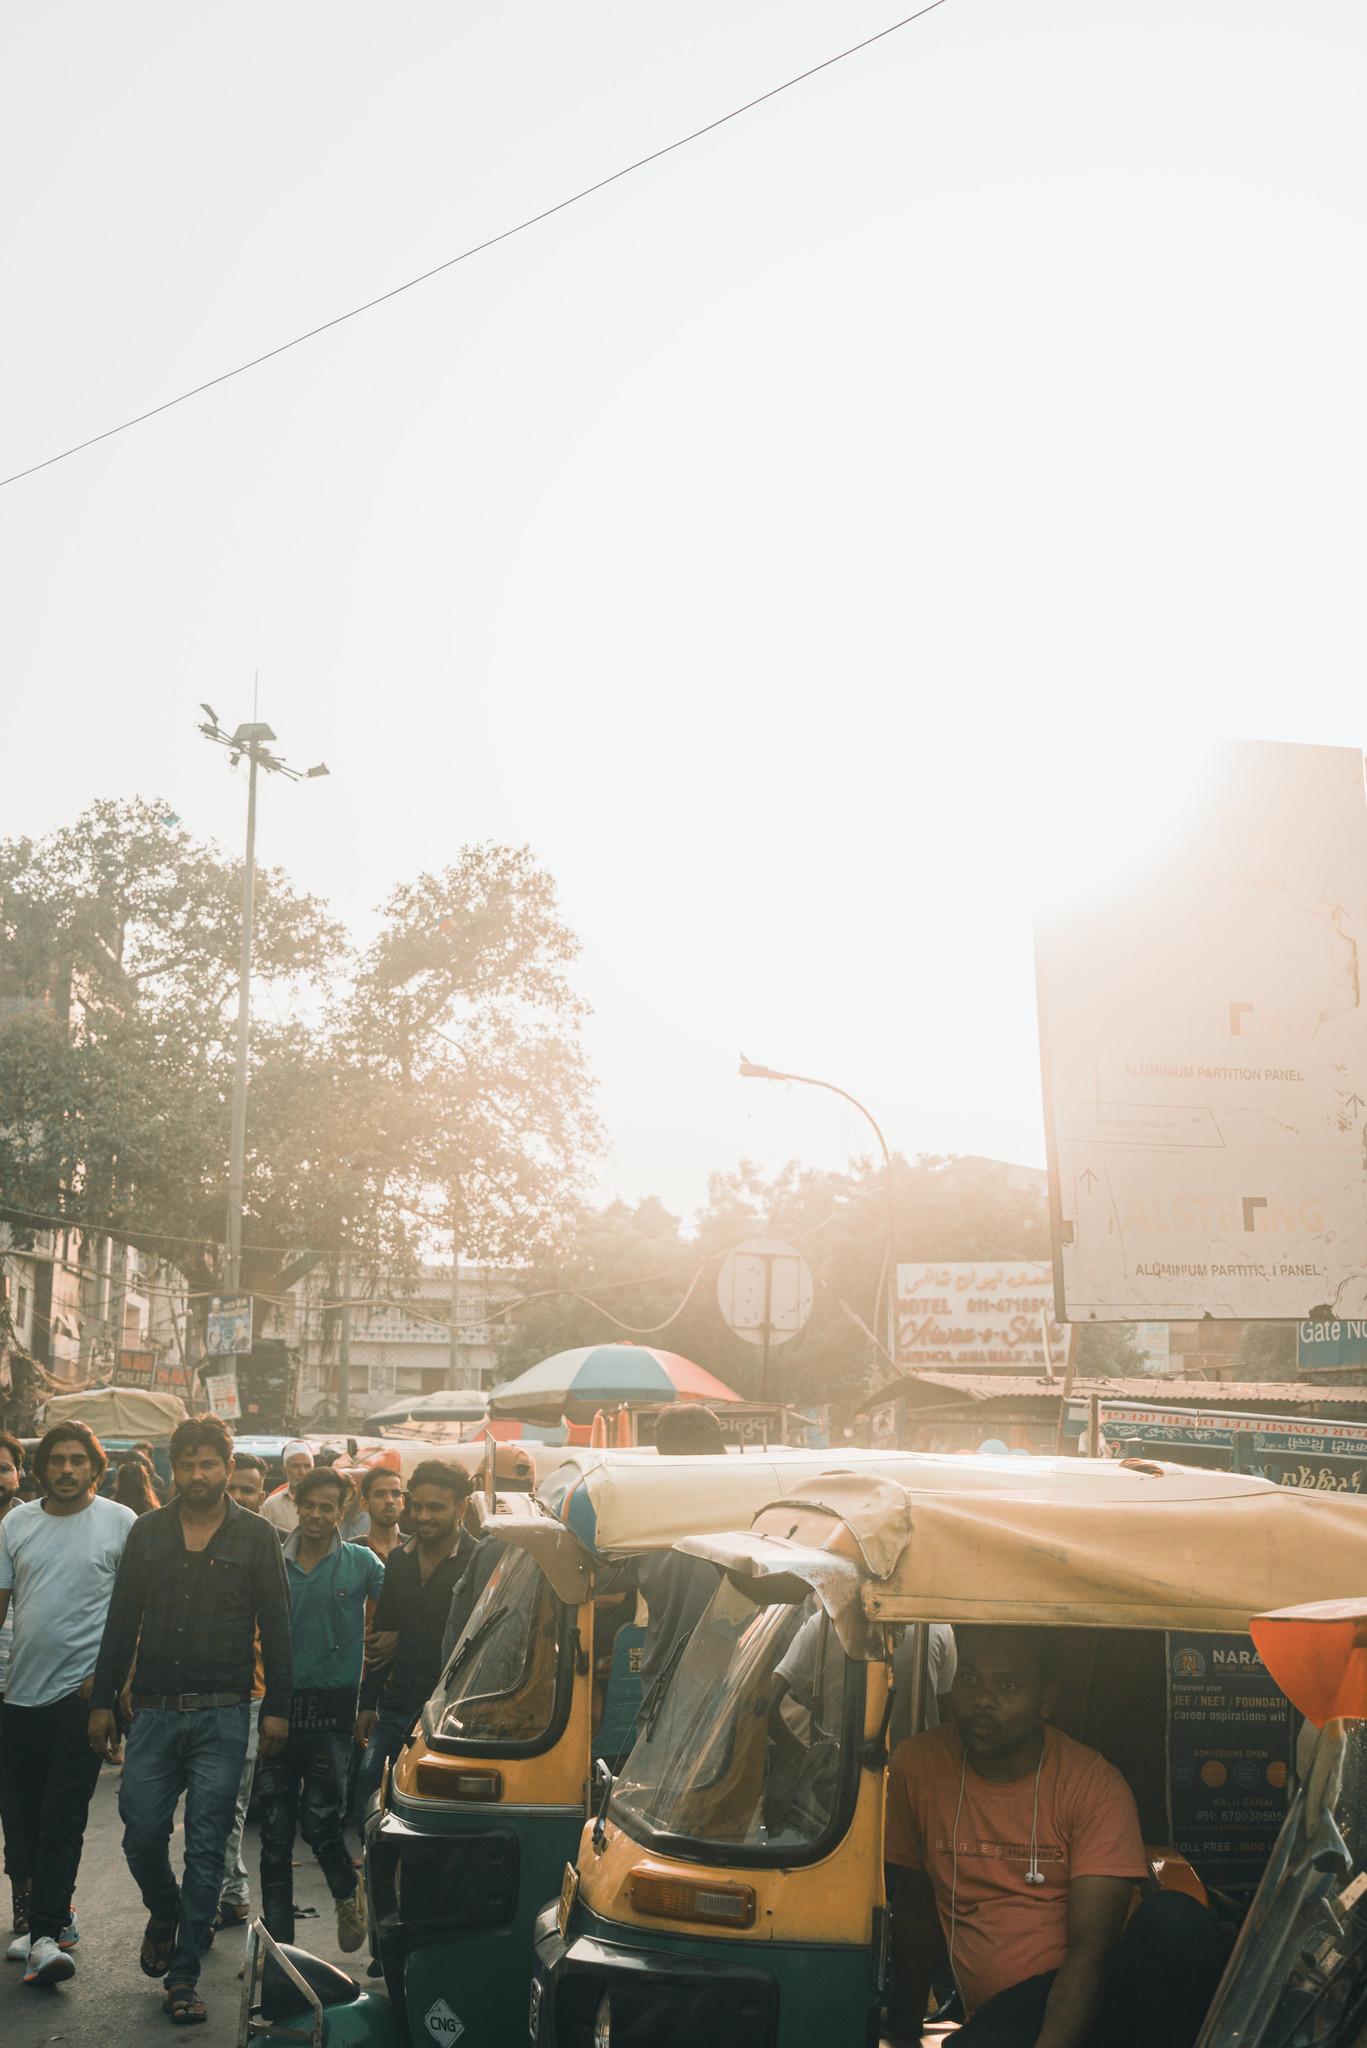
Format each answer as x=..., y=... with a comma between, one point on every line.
x=197, y=1582
x=410, y=1616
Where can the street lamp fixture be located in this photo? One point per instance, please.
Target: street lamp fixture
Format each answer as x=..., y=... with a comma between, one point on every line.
x=751, y=1070
x=252, y=740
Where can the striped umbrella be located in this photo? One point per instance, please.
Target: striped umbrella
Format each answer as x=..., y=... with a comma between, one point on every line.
x=576, y=1383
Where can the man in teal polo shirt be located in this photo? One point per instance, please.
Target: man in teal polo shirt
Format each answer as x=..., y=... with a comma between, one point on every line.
x=330, y=1582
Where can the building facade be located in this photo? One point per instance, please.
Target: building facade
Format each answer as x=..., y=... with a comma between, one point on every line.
x=400, y=1339
x=88, y=1310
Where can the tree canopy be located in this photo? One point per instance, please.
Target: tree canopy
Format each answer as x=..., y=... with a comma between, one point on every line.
x=431, y=1080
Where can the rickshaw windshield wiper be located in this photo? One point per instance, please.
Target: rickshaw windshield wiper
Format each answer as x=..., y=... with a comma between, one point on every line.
x=467, y=1649
x=650, y=1708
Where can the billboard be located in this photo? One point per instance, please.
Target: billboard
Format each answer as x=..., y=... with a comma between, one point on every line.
x=973, y=1315
x=1205, y=1058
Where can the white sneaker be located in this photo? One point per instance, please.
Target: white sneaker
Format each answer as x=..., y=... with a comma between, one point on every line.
x=47, y=1964
x=17, y=1952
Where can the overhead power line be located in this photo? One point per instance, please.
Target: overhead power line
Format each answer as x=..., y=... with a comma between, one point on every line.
x=476, y=249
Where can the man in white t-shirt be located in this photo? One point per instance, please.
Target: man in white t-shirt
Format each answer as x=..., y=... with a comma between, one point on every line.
x=58, y=1560
x=11, y=1471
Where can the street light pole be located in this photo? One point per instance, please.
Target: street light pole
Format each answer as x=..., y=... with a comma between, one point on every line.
x=237, y=1143
x=750, y=1070
x=253, y=741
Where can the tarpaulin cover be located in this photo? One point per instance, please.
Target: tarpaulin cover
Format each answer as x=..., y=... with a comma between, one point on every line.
x=119, y=1412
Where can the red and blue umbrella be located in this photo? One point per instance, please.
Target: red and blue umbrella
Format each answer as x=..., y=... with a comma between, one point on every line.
x=577, y=1383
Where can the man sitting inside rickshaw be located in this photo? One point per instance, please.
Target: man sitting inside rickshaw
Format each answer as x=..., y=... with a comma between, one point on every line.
x=1015, y=1852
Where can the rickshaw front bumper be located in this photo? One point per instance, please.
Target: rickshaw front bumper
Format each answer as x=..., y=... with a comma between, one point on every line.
x=589, y=1991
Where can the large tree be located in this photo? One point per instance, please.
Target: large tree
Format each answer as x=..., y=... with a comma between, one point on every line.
x=437, y=1075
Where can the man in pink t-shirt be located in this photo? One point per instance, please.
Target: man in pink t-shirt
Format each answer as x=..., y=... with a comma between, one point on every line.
x=1016, y=1852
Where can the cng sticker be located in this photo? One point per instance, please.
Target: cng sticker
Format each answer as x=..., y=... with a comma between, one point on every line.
x=442, y=2024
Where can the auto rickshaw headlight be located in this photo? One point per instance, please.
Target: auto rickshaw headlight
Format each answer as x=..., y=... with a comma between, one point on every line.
x=716, y=1905
x=440, y=1781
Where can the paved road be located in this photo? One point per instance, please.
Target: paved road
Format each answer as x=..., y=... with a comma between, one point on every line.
x=109, y=2003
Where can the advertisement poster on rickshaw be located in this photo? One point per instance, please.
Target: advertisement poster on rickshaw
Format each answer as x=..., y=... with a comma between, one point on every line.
x=1230, y=1738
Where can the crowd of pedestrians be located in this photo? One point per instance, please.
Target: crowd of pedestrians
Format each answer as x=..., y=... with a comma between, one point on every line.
x=224, y=1639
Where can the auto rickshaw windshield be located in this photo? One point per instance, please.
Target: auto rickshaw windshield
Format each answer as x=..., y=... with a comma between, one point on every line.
x=504, y=1690
x=748, y=1746
x=1298, y=1975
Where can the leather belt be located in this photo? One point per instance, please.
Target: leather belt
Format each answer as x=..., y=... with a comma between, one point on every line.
x=187, y=1702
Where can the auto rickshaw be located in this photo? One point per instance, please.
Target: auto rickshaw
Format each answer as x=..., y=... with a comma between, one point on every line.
x=731, y=1889
x=486, y=1803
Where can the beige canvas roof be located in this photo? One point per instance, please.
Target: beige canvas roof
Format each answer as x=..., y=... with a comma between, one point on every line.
x=119, y=1411
x=619, y=1502
x=1080, y=1543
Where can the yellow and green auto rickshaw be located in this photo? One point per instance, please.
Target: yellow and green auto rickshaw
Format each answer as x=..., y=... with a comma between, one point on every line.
x=487, y=1801
x=731, y=1891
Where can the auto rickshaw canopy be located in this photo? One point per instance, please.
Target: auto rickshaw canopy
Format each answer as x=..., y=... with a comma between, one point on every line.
x=607, y=1503
x=620, y=1501
x=1080, y=1543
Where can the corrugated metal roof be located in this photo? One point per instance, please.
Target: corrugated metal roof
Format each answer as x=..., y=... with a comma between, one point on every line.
x=1276, y=1394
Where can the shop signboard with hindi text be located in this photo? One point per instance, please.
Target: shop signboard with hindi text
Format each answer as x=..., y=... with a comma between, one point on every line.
x=1312, y=1452
x=1205, y=1058
x=976, y=1315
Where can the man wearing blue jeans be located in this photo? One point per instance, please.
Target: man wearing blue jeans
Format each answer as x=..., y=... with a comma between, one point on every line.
x=410, y=1617
x=330, y=1582
x=199, y=1580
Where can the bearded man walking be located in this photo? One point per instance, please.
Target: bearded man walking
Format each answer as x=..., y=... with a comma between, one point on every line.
x=58, y=1558
x=199, y=1581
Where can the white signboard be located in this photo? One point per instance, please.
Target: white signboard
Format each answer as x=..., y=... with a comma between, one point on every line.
x=969, y=1316
x=220, y=1391
x=764, y=1290
x=1205, y=1058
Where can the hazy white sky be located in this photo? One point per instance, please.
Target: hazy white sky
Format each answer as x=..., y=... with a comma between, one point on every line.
x=819, y=547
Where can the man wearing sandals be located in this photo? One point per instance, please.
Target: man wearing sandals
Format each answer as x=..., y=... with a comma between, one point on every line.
x=198, y=1582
